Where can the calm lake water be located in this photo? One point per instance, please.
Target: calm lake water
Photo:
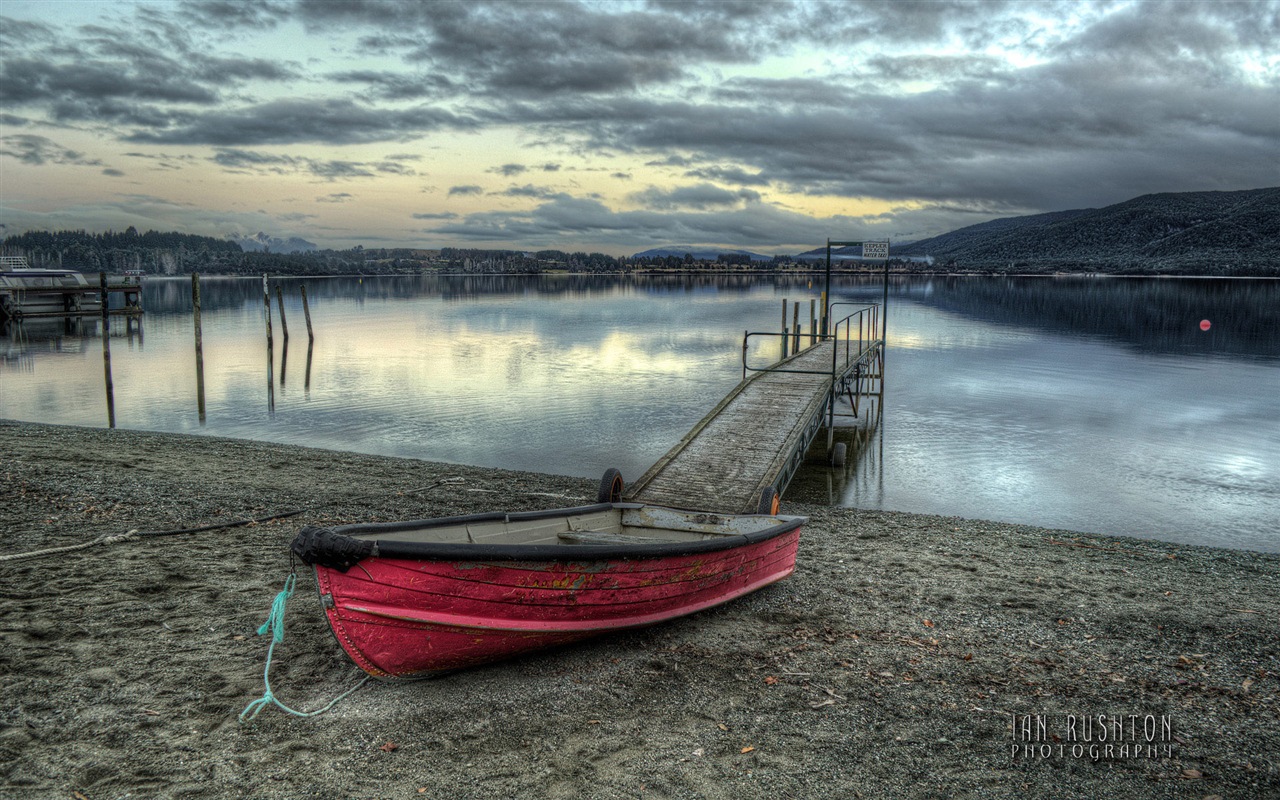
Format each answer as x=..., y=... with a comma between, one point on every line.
x=1081, y=403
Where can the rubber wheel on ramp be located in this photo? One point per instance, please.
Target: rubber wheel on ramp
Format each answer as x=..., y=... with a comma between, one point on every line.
x=769, y=501
x=839, y=454
x=610, y=487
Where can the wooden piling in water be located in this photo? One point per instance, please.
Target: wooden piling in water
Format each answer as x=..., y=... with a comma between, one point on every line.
x=266, y=305
x=106, y=353
x=284, y=325
x=306, y=311
x=306, y=386
x=195, y=302
x=786, y=340
x=813, y=322
x=795, y=327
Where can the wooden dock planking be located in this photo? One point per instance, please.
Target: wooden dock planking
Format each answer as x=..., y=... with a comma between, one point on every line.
x=741, y=447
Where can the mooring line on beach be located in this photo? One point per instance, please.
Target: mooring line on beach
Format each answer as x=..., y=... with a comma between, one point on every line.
x=275, y=626
x=108, y=538
x=135, y=534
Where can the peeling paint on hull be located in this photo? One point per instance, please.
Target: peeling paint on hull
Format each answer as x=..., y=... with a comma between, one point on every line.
x=399, y=617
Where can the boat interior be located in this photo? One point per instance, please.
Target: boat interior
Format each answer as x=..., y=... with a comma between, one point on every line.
x=622, y=524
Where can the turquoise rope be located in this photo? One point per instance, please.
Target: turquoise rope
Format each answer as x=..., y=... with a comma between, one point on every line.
x=275, y=626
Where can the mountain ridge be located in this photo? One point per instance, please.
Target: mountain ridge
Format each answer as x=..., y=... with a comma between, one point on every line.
x=1203, y=233
x=263, y=242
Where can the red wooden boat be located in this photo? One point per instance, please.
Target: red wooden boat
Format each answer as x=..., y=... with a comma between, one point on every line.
x=408, y=599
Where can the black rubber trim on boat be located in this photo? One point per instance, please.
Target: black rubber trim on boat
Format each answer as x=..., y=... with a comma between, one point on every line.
x=334, y=547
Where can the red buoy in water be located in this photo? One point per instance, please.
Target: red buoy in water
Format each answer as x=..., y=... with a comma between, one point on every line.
x=1204, y=324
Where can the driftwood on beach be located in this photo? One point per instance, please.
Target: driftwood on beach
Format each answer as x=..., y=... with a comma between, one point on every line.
x=909, y=655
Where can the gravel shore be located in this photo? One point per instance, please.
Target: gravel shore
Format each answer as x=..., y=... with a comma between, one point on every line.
x=894, y=663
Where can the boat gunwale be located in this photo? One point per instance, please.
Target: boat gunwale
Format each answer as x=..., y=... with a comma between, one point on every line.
x=563, y=553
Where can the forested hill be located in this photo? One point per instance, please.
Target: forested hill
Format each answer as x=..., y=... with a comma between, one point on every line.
x=1190, y=233
x=116, y=251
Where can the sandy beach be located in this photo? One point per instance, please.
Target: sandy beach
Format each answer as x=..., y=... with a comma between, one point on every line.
x=908, y=656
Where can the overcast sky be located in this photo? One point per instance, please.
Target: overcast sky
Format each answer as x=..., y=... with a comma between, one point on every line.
x=768, y=126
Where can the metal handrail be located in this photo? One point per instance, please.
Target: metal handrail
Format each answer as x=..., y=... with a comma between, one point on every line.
x=866, y=314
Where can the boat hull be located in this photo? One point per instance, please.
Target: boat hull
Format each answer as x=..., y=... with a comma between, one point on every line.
x=399, y=617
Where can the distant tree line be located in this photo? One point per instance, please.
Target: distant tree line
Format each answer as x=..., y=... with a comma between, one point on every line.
x=175, y=253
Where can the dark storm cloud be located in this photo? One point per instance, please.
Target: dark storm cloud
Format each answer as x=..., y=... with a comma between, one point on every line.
x=808, y=92
x=943, y=69
x=40, y=150
x=701, y=196
x=537, y=50
x=149, y=76
x=393, y=167
x=236, y=14
x=396, y=86
x=1071, y=133
x=25, y=80
x=339, y=170
x=570, y=218
x=729, y=175
x=528, y=190
x=292, y=121
x=250, y=161
x=916, y=104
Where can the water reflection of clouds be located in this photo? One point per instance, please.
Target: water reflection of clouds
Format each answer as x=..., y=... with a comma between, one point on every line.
x=988, y=417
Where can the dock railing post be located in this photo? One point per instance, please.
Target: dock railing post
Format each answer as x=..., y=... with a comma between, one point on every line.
x=795, y=327
x=195, y=301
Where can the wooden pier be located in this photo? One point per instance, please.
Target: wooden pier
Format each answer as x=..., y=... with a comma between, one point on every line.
x=741, y=456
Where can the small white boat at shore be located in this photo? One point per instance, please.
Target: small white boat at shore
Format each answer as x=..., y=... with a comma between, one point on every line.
x=27, y=291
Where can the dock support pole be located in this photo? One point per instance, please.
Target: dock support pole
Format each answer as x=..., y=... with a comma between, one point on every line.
x=195, y=301
x=106, y=352
x=813, y=322
x=284, y=325
x=825, y=314
x=306, y=310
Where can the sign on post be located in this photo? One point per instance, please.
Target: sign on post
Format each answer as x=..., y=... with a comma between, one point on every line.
x=875, y=249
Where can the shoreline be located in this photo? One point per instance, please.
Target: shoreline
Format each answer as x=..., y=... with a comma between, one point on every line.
x=892, y=663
